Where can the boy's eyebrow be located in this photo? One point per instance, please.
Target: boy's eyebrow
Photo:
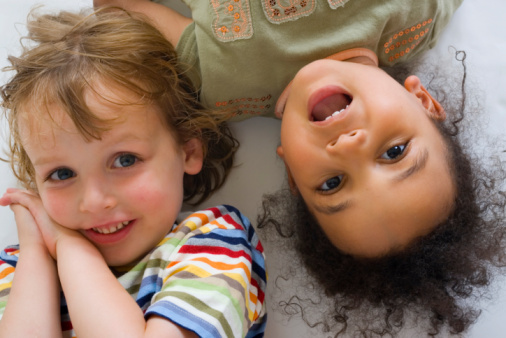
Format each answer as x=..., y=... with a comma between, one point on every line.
x=42, y=160
x=123, y=137
x=419, y=164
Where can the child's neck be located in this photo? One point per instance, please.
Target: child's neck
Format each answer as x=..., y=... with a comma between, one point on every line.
x=358, y=55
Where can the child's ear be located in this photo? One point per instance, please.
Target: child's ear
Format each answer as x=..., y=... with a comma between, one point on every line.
x=433, y=107
x=291, y=182
x=193, y=156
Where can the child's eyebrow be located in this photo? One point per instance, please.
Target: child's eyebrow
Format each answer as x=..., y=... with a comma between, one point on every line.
x=419, y=164
x=332, y=209
x=40, y=161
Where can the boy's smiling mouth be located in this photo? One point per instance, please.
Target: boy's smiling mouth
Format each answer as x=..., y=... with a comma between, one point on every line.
x=111, y=233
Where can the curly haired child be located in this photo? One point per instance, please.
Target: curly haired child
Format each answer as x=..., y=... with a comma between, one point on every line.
x=108, y=139
x=374, y=267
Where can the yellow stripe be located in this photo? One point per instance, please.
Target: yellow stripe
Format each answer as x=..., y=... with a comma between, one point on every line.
x=5, y=286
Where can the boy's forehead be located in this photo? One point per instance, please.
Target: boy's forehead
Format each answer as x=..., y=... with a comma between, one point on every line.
x=37, y=122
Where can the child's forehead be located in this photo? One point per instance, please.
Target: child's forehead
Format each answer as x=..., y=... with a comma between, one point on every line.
x=102, y=99
x=100, y=109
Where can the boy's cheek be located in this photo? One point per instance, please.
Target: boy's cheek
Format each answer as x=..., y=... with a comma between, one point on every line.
x=58, y=209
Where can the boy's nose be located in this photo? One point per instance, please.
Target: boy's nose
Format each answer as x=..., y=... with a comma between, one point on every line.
x=348, y=143
x=96, y=197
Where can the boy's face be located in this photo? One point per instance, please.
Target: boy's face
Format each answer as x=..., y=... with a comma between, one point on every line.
x=123, y=192
x=375, y=176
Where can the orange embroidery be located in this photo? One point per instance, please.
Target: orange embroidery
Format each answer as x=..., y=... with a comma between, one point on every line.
x=244, y=106
x=412, y=35
x=232, y=19
x=278, y=11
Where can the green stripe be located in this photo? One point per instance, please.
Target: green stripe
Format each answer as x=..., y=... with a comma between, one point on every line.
x=199, y=285
x=198, y=304
x=3, y=304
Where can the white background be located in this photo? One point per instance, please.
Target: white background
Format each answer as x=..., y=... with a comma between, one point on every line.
x=478, y=27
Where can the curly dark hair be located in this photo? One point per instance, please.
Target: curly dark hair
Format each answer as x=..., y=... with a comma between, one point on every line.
x=70, y=52
x=438, y=277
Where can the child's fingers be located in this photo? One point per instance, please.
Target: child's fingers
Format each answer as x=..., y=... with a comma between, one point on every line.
x=28, y=231
x=29, y=201
x=5, y=200
x=18, y=196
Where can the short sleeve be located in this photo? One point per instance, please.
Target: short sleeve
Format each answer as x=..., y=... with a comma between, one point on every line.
x=214, y=283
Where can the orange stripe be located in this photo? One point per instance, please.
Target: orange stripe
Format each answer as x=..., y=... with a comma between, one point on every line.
x=11, y=253
x=253, y=297
x=224, y=266
x=6, y=272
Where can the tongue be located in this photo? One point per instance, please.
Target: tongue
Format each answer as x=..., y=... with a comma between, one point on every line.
x=329, y=105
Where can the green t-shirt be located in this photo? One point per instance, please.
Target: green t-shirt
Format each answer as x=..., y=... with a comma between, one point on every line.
x=245, y=52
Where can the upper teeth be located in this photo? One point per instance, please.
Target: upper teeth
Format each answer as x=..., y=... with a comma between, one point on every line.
x=337, y=112
x=112, y=229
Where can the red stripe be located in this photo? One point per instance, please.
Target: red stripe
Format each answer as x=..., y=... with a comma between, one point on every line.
x=213, y=250
x=261, y=295
x=66, y=326
x=231, y=221
x=216, y=212
x=259, y=247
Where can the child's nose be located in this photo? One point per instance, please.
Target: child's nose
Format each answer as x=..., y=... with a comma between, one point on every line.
x=96, y=197
x=348, y=143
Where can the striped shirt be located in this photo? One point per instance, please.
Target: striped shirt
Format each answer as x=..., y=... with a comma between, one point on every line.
x=207, y=275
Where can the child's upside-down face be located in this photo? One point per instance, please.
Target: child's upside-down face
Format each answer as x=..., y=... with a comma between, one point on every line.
x=122, y=192
x=374, y=174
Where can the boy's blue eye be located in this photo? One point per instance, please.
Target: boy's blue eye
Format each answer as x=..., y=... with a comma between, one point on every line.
x=62, y=174
x=394, y=152
x=331, y=183
x=125, y=160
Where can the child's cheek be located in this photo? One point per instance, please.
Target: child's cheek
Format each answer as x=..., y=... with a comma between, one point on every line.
x=157, y=200
x=59, y=208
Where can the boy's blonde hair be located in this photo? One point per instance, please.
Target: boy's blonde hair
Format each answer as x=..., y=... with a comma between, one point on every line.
x=70, y=52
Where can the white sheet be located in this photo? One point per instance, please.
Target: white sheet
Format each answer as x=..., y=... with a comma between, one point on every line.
x=478, y=28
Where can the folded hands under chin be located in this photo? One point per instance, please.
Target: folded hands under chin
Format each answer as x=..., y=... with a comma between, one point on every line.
x=34, y=225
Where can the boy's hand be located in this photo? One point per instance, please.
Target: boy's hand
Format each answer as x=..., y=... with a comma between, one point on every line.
x=28, y=232
x=39, y=224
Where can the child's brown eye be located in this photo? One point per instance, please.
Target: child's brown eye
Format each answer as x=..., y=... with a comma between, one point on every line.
x=125, y=160
x=331, y=183
x=62, y=174
x=394, y=152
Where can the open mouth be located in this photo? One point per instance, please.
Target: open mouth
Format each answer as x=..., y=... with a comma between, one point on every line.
x=330, y=106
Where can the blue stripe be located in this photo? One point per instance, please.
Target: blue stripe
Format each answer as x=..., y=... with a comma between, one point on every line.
x=258, y=270
x=183, y=318
x=257, y=329
x=149, y=286
x=219, y=239
x=12, y=260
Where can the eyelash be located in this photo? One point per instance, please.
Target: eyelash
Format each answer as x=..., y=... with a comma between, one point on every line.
x=342, y=177
x=48, y=177
x=135, y=157
x=331, y=190
x=405, y=150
